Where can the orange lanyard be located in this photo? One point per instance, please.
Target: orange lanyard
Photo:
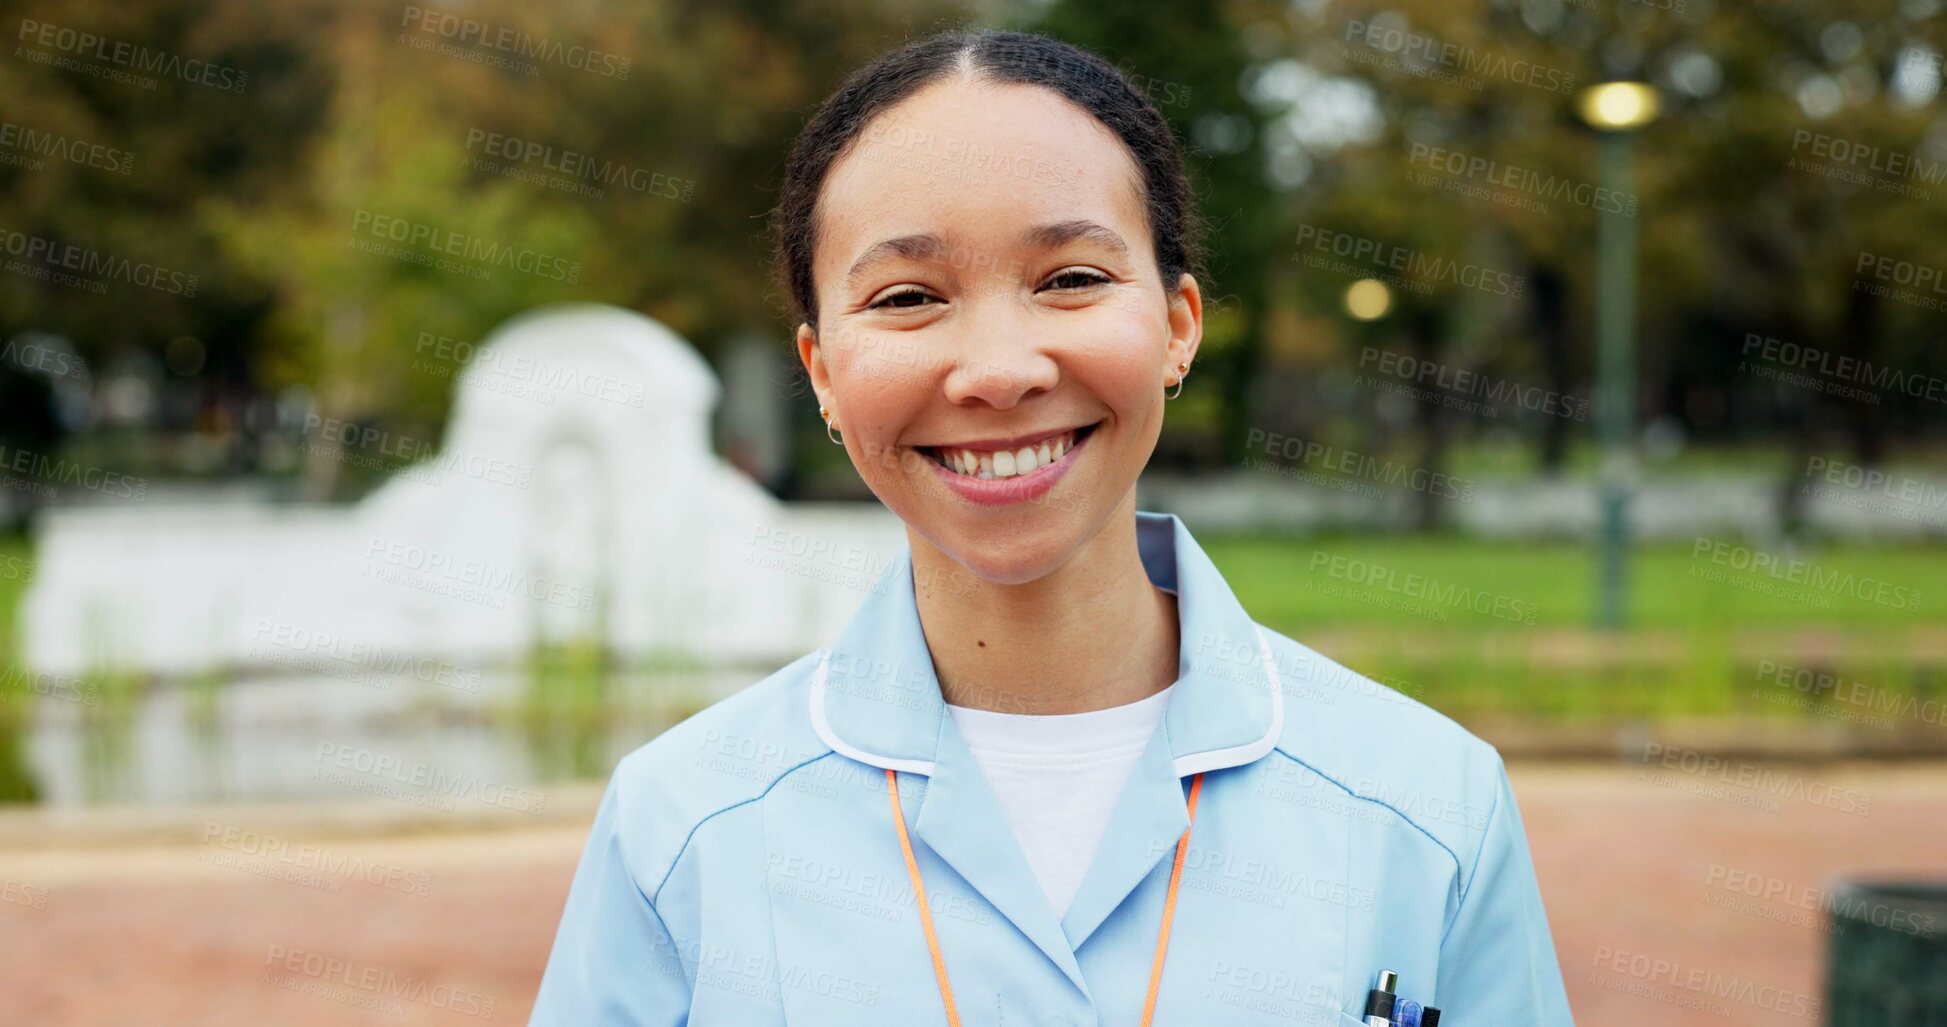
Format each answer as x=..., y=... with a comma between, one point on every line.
x=933, y=940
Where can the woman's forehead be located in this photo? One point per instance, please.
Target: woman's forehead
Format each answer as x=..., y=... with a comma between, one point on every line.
x=977, y=164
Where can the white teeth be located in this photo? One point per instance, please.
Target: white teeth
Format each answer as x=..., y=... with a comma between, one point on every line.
x=983, y=463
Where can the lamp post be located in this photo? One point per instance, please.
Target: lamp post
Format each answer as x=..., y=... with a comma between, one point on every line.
x=1616, y=110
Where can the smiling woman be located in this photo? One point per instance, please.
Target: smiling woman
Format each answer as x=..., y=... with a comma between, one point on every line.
x=992, y=248
x=1047, y=312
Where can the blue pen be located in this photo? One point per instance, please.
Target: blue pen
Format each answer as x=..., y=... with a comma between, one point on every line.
x=1406, y=1013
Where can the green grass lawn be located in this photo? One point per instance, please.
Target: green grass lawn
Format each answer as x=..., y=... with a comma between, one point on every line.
x=1491, y=629
x=1284, y=582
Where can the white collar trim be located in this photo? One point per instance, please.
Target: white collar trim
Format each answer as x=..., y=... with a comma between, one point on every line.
x=1186, y=765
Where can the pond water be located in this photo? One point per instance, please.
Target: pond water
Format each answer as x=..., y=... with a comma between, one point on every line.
x=466, y=744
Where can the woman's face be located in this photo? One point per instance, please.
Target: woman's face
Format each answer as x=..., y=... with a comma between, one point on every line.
x=988, y=298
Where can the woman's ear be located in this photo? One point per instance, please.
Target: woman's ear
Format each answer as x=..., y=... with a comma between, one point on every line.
x=813, y=359
x=1186, y=323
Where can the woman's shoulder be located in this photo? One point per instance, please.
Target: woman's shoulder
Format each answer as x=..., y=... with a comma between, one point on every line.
x=1376, y=741
x=730, y=752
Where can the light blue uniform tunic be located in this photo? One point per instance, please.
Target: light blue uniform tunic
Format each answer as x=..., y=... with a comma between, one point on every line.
x=744, y=869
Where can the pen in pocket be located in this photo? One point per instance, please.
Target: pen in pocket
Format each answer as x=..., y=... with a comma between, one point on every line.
x=1379, y=1001
x=1385, y=1009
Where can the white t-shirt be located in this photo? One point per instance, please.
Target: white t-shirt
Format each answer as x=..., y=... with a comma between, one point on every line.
x=1058, y=777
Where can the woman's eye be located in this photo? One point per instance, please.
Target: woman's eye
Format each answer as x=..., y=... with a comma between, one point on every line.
x=901, y=298
x=1076, y=278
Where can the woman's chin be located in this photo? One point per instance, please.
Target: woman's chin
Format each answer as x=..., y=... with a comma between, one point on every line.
x=1005, y=557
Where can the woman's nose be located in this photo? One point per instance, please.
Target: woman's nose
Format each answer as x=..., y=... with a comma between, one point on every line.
x=1000, y=357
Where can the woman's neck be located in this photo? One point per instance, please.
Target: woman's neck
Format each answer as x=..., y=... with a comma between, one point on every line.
x=1092, y=634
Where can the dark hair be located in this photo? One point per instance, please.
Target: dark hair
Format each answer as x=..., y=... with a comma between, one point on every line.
x=1023, y=58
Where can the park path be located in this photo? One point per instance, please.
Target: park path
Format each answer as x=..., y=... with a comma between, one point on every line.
x=1636, y=870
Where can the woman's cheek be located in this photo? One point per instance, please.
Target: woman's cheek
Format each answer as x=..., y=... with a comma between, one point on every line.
x=879, y=355
x=1121, y=366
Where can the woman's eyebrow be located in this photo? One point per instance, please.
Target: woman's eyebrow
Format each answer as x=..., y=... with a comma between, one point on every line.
x=1061, y=233
x=928, y=245
x=912, y=247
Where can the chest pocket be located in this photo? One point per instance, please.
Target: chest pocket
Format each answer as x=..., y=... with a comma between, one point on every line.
x=1398, y=891
x=1264, y=908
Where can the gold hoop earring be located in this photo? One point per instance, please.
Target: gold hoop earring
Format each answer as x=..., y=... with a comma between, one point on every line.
x=822, y=412
x=1182, y=372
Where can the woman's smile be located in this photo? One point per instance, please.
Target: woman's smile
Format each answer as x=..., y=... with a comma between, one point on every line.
x=994, y=472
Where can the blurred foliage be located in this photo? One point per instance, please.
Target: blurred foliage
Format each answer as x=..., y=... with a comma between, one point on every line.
x=1295, y=115
x=1738, y=237
x=18, y=687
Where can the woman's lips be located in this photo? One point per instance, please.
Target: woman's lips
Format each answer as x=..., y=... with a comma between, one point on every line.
x=999, y=490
